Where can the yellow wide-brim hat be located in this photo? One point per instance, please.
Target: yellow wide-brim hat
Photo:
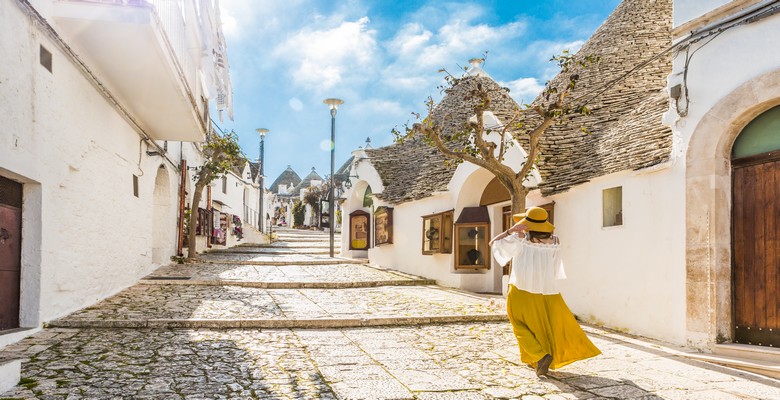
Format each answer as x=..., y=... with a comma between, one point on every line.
x=536, y=220
x=518, y=217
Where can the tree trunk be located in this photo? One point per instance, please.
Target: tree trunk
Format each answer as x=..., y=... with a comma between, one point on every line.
x=192, y=248
x=518, y=199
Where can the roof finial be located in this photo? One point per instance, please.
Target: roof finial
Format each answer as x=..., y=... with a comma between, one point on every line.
x=368, y=142
x=476, y=68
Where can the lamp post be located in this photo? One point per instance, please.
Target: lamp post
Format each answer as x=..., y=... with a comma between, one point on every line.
x=333, y=104
x=262, y=132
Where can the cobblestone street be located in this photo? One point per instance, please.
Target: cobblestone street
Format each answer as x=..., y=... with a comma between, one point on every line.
x=285, y=321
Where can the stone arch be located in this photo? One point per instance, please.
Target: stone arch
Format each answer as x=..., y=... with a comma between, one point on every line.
x=708, y=207
x=162, y=237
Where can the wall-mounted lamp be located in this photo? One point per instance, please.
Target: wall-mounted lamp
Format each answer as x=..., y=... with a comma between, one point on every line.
x=348, y=181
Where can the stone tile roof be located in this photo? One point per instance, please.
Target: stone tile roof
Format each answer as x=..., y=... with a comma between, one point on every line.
x=625, y=123
x=414, y=170
x=410, y=171
x=344, y=170
x=306, y=182
x=285, y=178
x=254, y=167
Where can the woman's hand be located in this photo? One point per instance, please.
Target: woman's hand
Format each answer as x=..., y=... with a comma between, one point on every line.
x=517, y=228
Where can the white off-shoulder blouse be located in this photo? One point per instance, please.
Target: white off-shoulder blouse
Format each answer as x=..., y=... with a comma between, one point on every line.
x=535, y=266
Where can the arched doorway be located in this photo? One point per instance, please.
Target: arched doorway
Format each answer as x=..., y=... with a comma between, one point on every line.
x=162, y=236
x=708, y=209
x=755, y=160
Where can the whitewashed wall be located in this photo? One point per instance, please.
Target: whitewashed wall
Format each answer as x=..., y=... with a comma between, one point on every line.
x=721, y=66
x=629, y=277
x=85, y=235
x=405, y=253
x=731, y=79
x=687, y=10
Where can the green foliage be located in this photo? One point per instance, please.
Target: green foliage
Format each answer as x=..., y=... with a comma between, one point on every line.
x=221, y=154
x=312, y=198
x=29, y=383
x=299, y=212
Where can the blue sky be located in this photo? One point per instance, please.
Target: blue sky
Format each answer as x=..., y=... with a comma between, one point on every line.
x=381, y=57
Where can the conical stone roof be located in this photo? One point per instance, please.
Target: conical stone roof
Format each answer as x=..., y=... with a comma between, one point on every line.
x=414, y=170
x=287, y=177
x=625, y=122
x=306, y=182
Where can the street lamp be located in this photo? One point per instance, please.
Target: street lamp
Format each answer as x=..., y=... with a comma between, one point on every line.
x=333, y=104
x=262, y=132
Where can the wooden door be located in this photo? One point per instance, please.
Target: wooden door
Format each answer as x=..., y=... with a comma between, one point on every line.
x=10, y=252
x=756, y=251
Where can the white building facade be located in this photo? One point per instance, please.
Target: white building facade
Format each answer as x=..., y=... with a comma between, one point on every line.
x=103, y=102
x=725, y=93
x=668, y=227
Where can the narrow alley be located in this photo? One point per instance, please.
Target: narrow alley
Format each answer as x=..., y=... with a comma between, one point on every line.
x=285, y=321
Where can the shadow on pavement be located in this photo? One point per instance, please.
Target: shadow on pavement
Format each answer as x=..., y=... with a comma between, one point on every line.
x=172, y=364
x=589, y=385
x=648, y=348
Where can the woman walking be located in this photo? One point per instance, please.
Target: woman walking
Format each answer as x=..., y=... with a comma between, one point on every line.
x=545, y=328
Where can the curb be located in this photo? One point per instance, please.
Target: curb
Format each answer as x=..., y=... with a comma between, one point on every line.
x=292, y=285
x=281, y=263
x=313, y=250
x=274, y=323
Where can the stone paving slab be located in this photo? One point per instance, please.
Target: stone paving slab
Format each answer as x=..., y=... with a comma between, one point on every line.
x=144, y=303
x=282, y=277
x=276, y=259
x=314, y=244
x=435, y=362
x=271, y=250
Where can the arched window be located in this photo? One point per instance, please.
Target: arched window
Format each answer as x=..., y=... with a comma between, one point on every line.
x=368, y=199
x=760, y=136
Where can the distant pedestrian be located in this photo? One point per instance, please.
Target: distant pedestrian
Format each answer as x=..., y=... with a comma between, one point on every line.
x=545, y=328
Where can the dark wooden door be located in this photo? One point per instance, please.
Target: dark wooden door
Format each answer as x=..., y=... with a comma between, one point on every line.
x=10, y=252
x=756, y=252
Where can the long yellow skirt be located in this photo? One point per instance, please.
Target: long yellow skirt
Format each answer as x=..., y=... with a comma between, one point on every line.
x=543, y=324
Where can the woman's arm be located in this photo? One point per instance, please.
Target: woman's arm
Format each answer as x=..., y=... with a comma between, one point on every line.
x=516, y=228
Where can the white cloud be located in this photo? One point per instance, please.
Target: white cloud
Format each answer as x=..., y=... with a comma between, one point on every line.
x=321, y=58
x=411, y=39
x=524, y=90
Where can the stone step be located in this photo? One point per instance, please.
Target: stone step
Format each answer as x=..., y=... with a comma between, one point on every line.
x=305, y=235
x=271, y=250
x=289, y=285
x=294, y=245
x=763, y=353
x=324, y=239
x=286, y=276
x=337, y=261
x=761, y=367
x=319, y=323
x=383, y=305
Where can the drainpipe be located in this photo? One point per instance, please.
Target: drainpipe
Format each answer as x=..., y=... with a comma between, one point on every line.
x=182, y=194
x=210, y=227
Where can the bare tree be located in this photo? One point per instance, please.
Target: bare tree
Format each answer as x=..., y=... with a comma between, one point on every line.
x=486, y=146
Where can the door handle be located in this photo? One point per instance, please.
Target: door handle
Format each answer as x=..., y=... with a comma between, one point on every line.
x=4, y=235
